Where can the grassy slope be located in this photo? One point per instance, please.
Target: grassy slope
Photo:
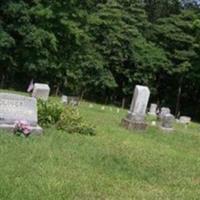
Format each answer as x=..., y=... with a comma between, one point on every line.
x=115, y=164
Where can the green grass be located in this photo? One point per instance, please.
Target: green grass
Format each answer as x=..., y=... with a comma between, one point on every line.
x=114, y=164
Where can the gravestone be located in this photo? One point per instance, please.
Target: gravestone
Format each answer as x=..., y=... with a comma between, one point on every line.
x=41, y=91
x=15, y=107
x=64, y=99
x=72, y=100
x=185, y=120
x=153, y=109
x=167, y=122
x=136, y=115
x=163, y=112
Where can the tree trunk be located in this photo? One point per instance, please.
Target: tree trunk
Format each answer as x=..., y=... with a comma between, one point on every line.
x=2, y=80
x=57, y=90
x=123, y=102
x=178, y=99
x=82, y=94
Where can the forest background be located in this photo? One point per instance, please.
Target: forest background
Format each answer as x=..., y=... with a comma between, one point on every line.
x=100, y=49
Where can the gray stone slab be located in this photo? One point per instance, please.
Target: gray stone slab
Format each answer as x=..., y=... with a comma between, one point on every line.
x=185, y=120
x=153, y=109
x=163, y=112
x=15, y=107
x=41, y=91
x=136, y=115
x=72, y=100
x=167, y=122
x=140, y=100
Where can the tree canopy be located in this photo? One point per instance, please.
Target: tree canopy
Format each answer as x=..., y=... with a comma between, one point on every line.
x=101, y=49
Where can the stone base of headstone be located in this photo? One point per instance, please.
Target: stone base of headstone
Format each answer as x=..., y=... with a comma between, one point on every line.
x=36, y=130
x=166, y=129
x=133, y=125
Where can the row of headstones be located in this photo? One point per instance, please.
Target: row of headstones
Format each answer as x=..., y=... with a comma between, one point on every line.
x=41, y=91
x=155, y=111
x=14, y=107
x=136, y=115
x=137, y=110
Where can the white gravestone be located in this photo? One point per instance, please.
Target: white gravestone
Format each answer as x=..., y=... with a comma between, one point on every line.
x=140, y=100
x=41, y=91
x=163, y=112
x=137, y=112
x=64, y=99
x=15, y=107
x=153, y=109
x=185, y=120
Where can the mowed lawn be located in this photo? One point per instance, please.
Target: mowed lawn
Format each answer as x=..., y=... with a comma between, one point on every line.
x=114, y=164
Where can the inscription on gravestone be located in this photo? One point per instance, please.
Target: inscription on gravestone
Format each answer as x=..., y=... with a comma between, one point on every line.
x=15, y=107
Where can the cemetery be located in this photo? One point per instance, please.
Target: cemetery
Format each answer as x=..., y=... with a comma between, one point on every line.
x=105, y=160
x=100, y=100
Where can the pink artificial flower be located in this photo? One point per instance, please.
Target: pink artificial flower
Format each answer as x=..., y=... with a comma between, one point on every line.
x=23, y=127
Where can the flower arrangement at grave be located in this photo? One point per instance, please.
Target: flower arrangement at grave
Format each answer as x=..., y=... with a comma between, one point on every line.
x=22, y=127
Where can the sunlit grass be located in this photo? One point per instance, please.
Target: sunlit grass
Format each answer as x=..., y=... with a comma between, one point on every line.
x=114, y=164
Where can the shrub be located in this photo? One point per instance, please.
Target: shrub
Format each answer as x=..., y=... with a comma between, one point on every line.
x=49, y=112
x=71, y=121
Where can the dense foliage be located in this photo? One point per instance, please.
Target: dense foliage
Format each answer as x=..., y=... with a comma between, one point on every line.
x=53, y=113
x=101, y=49
x=71, y=121
x=49, y=112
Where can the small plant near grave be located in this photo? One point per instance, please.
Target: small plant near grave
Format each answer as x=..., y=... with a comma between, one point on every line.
x=22, y=127
x=49, y=112
x=71, y=122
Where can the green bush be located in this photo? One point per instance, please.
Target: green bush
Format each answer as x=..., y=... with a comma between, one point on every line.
x=71, y=121
x=49, y=112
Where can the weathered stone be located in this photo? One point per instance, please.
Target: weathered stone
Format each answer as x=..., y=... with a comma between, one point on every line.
x=140, y=100
x=15, y=107
x=163, y=112
x=167, y=122
x=153, y=109
x=41, y=91
x=185, y=120
x=136, y=115
x=131, y=125
x=64, y=99
x=72, y=100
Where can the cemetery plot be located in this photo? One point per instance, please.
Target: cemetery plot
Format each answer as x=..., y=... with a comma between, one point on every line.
x=15, y=108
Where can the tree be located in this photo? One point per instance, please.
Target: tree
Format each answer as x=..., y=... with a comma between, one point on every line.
x=175, y=36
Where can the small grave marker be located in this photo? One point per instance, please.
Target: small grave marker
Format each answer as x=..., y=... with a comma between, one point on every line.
x=153, y=109
x=41, y=91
